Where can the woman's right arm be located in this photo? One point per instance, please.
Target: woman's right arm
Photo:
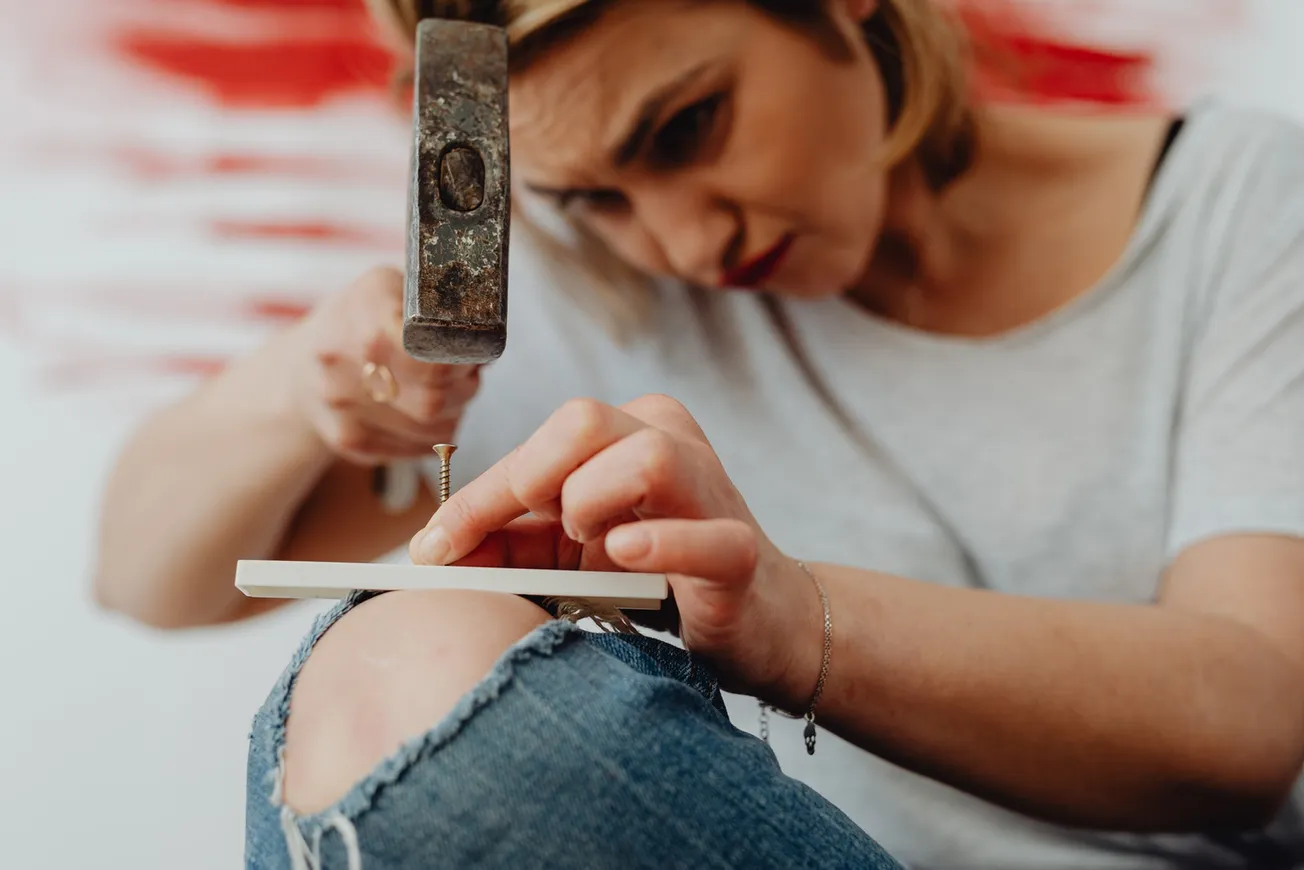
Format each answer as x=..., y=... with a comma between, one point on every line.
x=251, y=465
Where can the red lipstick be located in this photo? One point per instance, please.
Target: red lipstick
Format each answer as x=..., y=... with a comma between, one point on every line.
x=755, y=271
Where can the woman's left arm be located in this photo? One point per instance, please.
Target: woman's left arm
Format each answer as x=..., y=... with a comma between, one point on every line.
x=1188, y=715
x=1185, y=715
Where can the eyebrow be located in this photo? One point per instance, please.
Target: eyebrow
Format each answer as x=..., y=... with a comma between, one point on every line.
x=650, y=112
x=653, y=107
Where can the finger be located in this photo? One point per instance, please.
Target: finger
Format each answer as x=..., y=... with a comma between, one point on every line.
x=429, y=405
x=382, y=418
x=530, y=478
x=509, y=547
x=663, y=412
x=425, y=409
x=571, y=436
x=424, y=392
x=649, y=474
x=382, y=282
x=528, y=542
x=370, y=447
x=424, y=415
x=384, y=346
x=710, y=563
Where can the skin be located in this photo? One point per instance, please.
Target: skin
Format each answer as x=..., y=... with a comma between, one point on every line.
x=715, y=185
x=299, y=487
x=1196, y=719
x=639, y=487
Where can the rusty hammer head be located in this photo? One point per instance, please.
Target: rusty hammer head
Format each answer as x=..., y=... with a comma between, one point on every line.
x=459, y=210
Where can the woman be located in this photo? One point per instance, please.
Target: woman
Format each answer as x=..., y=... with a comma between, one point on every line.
x=1025, y=390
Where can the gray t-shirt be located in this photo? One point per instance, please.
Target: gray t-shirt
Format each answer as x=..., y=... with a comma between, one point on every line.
x=1070, y=458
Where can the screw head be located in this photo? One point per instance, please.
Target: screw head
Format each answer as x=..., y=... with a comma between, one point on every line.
x=445, y=451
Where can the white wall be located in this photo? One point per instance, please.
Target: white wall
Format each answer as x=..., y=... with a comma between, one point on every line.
x=1265, y=67
x=118, y=747
x=124, y=748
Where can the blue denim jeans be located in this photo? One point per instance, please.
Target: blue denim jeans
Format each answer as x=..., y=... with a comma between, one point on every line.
x=577, y=749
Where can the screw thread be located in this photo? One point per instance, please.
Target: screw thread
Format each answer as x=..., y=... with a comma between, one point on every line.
x=445, y=452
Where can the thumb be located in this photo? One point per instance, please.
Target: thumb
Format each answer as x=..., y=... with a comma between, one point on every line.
x=716, y=560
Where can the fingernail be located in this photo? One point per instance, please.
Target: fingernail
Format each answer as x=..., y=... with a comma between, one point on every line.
x=434, y=548
x=628, y=542
x=569, y=531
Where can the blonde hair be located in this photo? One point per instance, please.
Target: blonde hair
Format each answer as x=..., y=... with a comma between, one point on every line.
x=918, y=45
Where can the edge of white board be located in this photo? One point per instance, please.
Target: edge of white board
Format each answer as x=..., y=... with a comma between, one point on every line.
x=282, y=579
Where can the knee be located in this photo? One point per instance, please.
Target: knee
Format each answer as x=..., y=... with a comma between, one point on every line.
x=386, y=673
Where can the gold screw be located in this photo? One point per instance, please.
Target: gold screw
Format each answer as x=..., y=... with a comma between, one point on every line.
x=445, y=453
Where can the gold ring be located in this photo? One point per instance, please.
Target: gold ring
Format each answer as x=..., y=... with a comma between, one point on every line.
x=387, y=390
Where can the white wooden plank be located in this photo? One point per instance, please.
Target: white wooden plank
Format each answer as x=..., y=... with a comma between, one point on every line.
x=281, y=579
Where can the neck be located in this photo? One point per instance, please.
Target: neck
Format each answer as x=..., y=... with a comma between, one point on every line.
x=1046, y=209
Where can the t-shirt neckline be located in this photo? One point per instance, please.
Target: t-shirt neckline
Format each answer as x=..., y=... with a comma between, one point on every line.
x=1157, y=207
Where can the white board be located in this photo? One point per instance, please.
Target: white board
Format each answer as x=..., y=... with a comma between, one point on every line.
x=280, y=579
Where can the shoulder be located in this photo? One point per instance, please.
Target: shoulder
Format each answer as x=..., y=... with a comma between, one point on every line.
x=1248, y=121
x=1239, y=250
x=1230, y=210
x=1239, y=159
x=1262, y=199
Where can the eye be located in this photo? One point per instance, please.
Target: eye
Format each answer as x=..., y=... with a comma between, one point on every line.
x=685, y=136
x=596, y=201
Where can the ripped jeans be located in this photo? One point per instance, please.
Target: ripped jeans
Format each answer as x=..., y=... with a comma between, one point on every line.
x=577, y=749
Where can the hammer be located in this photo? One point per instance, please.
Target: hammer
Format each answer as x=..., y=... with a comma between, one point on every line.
x=459, y=211
x=455, y=310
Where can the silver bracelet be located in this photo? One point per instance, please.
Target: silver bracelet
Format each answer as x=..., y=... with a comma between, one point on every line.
x=809, y=733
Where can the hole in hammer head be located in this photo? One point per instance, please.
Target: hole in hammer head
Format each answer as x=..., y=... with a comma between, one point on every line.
x=461, y=178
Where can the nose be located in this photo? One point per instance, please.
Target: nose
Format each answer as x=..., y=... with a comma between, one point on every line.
x=693, y=230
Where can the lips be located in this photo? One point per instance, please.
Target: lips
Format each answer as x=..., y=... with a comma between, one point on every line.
x=754, y=272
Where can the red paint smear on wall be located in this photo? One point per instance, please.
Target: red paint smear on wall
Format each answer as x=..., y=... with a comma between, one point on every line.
x=1055, y=72
x=149, y=306
x=342, y=5
x=262, y=164
x=284, y=73
x=276, y=310
x=81, y=372
x=1017, y=58
x=306, y=231
x=160, y=166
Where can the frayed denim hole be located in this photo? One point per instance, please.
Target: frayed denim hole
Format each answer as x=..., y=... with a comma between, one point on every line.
x=277, y=706
x=285, y=685
x=540, y=642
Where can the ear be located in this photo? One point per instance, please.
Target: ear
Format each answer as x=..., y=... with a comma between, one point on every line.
x=859, y=11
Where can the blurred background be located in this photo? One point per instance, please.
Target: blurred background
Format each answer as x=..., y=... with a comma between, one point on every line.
x=180, y=177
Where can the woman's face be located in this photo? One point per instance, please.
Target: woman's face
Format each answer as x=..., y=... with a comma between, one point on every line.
x=712, y=142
